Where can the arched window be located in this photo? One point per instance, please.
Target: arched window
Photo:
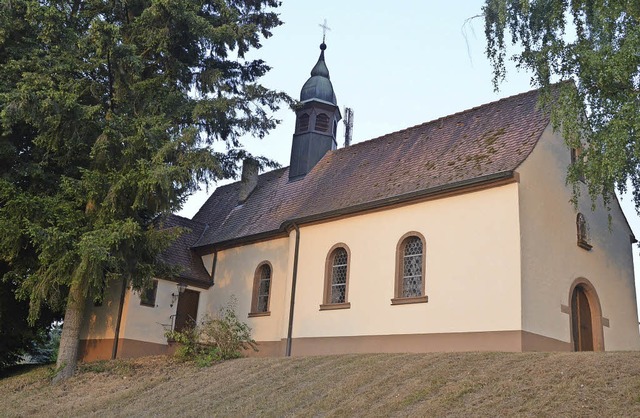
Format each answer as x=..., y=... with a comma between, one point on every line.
x=303, y=122
x=336, y=278
x=583, y=232
x=410, y=269
x=261, y=290
x=322, y=122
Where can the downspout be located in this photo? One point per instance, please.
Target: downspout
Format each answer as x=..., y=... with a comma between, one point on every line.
x=213, y=267
x=114, y=350
x=294, y=280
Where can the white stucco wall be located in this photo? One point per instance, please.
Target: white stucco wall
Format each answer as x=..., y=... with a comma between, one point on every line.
x=146, y=323
x=100, y=321
x=551, y=259
x=234, y=275
x=472, y=268
x=139, y=322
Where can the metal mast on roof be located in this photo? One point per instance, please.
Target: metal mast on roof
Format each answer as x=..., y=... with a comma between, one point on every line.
x=348, y=126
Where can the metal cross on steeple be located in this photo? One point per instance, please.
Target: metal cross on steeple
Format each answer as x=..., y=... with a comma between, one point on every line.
x=325, y=28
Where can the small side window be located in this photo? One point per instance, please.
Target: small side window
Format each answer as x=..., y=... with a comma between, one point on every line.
x=148, y=296
x=575, y=158
x=261, y=290
x=583, y=232
x=98, y=299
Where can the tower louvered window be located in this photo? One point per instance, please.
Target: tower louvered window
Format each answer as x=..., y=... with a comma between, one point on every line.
x=303, y=122
x=322, y=122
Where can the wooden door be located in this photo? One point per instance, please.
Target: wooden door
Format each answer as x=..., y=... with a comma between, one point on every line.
x=581, y=321
x=187, y=311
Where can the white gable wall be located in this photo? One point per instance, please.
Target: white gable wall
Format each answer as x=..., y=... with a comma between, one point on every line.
x=552, y=260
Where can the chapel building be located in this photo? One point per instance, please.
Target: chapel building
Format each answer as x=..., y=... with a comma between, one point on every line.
x=454, y=235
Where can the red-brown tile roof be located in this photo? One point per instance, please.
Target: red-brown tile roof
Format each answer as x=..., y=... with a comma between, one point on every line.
x=478, y=143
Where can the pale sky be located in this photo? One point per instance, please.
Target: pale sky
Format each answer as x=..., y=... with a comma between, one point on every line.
x=396, y=64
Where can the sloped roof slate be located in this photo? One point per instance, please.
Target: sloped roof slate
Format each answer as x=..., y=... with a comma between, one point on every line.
x=484, y=141
x=180, y=253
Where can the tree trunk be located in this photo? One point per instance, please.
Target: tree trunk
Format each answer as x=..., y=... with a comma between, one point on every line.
x=68, y=352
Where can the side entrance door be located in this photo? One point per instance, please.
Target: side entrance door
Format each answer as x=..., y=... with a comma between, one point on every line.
x=187, y=311
x=581, y=321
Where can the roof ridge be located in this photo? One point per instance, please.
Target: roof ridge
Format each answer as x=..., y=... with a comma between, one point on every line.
x=187, y=219
x=442, y=118
x=259, y=175
x=389, y=166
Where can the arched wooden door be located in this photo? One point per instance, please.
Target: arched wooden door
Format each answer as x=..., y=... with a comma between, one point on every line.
x=581, y=320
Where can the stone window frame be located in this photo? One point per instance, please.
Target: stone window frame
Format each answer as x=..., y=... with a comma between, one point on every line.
x=398, y=299
x=575, y=155
x=148, y=296
x=582, y=232
x=257, y=277
x=328, y=279
x=597, y=319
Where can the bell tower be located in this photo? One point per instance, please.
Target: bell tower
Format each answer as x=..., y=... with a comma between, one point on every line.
x=316, y=121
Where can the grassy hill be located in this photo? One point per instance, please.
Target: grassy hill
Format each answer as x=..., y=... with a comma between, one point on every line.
x=464, y=384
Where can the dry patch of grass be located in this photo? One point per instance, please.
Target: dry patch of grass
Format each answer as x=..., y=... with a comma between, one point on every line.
x=446, y=384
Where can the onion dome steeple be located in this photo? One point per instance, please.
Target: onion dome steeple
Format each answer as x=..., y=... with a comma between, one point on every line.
x=316, y=120
x=319, y=86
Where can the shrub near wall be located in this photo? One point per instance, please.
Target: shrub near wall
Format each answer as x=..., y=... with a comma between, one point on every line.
x=216, y=338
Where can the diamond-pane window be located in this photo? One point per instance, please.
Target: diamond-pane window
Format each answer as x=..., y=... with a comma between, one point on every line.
x=339, y=276
x=412, y=268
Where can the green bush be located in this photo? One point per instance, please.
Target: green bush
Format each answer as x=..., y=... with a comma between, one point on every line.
x=220, y=337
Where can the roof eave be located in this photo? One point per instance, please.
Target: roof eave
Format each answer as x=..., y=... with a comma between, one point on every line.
x=248, y=239
x=433, y=192
x=189, y=281
x=404, y=198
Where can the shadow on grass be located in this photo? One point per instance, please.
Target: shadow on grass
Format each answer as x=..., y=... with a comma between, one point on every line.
x=20, y=369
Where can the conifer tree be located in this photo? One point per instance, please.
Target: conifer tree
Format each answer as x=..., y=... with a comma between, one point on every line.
x=108, y=113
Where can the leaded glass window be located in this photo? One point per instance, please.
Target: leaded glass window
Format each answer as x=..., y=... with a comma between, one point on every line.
x=412, y=267
x=338, y=291
x=264, y=286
